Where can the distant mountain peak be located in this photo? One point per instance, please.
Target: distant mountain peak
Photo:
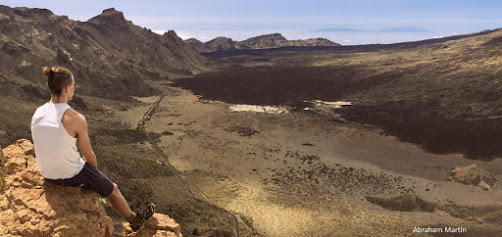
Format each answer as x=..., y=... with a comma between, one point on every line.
x=219, y=40
x=273, y=40
x=272, y=34
x=27, y=12
x=276, y=36
x=221, y=43
x=112, y=13
x=193, y=40
x=110, y=17
x=171, y=33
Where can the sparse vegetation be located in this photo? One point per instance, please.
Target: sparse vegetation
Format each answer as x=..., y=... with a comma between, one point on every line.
x=167, y=133
x=247, y=221
x=242, y=131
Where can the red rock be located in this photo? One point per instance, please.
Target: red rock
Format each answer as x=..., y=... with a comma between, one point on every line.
x=159, y=225
x=30, y=207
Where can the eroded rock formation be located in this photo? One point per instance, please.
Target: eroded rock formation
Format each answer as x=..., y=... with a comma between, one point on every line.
x=474, y=175
x=32, y=207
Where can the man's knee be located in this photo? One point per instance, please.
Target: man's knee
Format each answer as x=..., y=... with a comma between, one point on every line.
x=115, y=190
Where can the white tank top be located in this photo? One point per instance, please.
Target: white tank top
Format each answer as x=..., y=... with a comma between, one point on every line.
x=56, y=151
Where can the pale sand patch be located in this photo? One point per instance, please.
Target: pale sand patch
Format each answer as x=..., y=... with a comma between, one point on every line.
x=259, y=109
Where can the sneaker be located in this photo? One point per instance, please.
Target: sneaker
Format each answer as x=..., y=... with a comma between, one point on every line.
x=142, y=216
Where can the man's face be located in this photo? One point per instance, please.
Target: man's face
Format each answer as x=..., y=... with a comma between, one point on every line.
x=71, y=89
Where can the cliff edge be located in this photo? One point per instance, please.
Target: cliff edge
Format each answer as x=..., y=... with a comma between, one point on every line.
x=32, y=207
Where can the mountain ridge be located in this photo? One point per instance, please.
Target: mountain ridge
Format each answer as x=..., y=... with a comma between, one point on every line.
x=266, y=41
x=107, y=51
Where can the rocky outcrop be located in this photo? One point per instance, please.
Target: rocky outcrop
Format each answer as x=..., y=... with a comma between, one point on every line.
x=221, y=44
x=111, y=18
x=160, y=225
x=198, y=45
x=474, y=175
x=32, y=207
x=267, y=41
x=313, y=42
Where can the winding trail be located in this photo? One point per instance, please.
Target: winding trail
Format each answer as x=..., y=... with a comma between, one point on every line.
x=141, y=125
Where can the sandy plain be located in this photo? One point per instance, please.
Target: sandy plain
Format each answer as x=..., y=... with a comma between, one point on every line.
x=310, y=174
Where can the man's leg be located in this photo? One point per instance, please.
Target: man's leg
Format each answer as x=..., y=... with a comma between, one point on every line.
x=92, y=178
x=136, y=220
x=120, y=204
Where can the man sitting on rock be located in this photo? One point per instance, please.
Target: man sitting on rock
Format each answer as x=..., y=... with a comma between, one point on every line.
x=57, y=130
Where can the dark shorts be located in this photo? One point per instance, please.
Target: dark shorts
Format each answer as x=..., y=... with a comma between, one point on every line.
x=89, y=178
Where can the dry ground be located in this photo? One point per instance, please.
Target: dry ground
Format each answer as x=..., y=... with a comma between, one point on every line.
x=306, y=175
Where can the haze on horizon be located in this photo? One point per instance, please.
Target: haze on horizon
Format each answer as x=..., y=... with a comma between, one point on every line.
x=347, y=22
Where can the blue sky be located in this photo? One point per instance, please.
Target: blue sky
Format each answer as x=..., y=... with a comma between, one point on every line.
x=343, y=21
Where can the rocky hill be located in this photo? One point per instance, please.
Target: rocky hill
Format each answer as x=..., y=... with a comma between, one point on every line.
x=197, y=45
x=31, y=207
x=267, y=41
x=313, y=42
x=108, y=54
x=222, y=43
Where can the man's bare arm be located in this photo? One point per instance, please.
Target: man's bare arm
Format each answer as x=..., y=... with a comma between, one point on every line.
x=83, y=141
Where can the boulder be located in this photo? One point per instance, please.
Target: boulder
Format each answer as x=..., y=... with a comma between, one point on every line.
x=159, y=225
x=32, y=207
x=474, y=175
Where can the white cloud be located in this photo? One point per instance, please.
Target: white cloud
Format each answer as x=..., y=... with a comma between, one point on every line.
x=184, y=36
x=160, y=32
